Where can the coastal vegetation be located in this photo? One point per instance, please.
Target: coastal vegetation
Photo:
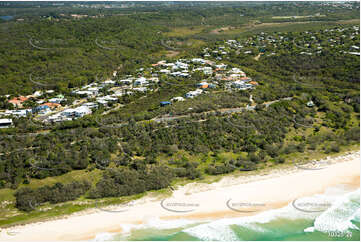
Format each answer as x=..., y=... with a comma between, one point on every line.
x=129, y=152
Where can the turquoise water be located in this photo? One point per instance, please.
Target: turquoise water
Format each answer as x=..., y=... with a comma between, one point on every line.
x=339, y=222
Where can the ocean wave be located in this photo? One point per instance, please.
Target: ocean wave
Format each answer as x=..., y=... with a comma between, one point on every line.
x=340, y=215
x=345, y=208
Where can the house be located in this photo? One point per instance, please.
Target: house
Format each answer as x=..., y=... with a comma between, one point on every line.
x=70, y=112
x=142, y=81
x=55, y=100
x=241, y=85
x=108, y=82
x=37, y=94
x=221, y=66
x=169, y=64
x=18, y=101
x=126, y=81
x=140, y=89
x=245, y=79
x=90, y=105
x=164, y=71
x=209, y=62
x=162, y=62
x=42, y=109
x=76, y=112
x=177, y=99
x=104, y=100
x=20, y=113
x=6, y=123
x=211, y=85
x=52, y=105
x=86, y=93
x=165, y=103
x=202, y=85
x=81, y=111
x=198, y=61
x=94, y=90
x=238, y=84
x=218, y=76
x=310, y=104
x=237, y=71
x=179, y=74
x=181, y=65
x=235, y=76
x=193, y=94
x=154, y=79
x=207, y=70
x=110, y=98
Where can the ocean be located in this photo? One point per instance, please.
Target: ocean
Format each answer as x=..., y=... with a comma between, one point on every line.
x=332, y=216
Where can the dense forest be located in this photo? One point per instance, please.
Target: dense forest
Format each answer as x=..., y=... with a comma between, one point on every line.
x=66, y=52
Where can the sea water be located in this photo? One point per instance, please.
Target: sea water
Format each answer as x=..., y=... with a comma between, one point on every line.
x=339, y=221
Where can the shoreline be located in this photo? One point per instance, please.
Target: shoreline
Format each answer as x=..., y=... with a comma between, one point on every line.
x=199, y=201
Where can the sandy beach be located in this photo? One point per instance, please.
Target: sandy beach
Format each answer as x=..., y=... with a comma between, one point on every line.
x=230, y=197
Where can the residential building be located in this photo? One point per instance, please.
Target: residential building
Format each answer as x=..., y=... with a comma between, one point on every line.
x=6, y=123
x=310, y=104
x=142, y=81
x=177, y=99
x=18, y=101
x=193, y=94
x=202, y=85
x=165, y=103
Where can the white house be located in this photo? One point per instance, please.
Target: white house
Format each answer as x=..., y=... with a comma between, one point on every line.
x=198, y=61
x=177, y=99
x=76, y=112
x=142, y=81
x=90, y=105
x=81, y=111
x=241, y=85
x=55, y=100
x=140, y=89
x=70, y=112
x=19, y=113
x=235, y=76
x=6, y=123
x=207, y=70
x=236, y=71
x=94, y=90
x=221, y=66
x=154, y=79
x=193, y=94
x=126, y=81
x=165, y=71
x=109, y=82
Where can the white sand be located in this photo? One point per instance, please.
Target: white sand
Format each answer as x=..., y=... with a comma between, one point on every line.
x=207, y=201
